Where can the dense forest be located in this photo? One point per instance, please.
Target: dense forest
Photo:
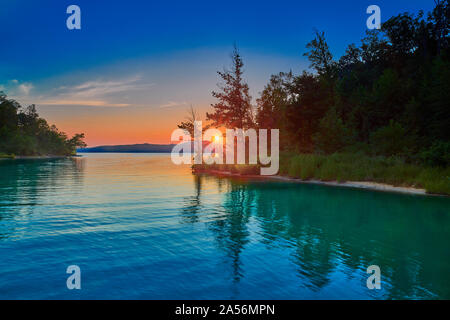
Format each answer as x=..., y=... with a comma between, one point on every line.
x=390, y=96
x=24, y=133
x=379, y=113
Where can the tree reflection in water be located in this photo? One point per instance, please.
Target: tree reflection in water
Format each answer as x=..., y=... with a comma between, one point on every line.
x=25, y=182
x=335, y=232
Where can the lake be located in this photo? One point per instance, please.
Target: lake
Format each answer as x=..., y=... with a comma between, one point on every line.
x=140, y=227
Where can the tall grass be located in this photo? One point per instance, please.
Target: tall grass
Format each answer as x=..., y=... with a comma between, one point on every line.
x=6, y=156
x=351, y=167
x=360, y=167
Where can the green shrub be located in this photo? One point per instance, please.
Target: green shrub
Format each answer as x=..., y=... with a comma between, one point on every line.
x=332, y=135
x=437, y=155
x=6, y=156
x=391, y=140
x=305, y=166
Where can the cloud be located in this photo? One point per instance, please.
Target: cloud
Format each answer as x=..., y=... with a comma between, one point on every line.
x=95, y=93
x=99, y=88
x=15, y=88
x=173, y=104
x=25, y=88
x=93, y=103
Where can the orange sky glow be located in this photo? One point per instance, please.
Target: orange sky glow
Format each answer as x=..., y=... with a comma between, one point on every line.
x=112, y=126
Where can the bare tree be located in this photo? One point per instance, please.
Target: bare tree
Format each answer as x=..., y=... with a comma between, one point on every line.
x=188, y=125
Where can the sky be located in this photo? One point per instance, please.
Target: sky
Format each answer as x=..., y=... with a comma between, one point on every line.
x=134, y=68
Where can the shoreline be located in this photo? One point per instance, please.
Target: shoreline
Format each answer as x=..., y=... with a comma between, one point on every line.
x=48, y=157
x=366, y=185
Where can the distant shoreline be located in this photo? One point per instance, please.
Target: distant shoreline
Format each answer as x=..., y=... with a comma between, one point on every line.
x=44, y=157
x=129, y=148
x=367, y=185
x=82, y=151
x=49, y=157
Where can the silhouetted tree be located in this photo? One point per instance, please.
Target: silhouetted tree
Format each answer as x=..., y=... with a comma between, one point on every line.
x=188, y=125
x=234, y=109
x=23, y=132
x=394, y=86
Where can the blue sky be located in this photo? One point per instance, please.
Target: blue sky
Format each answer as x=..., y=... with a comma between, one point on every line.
x=134, y=55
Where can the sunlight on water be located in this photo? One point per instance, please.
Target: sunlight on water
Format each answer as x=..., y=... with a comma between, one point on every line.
x=140, y=227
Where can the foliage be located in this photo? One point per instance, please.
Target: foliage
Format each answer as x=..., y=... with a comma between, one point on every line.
x=390, y=95
x=379, y=113
x=319, y=54
x=438, y=154
x=6, y=156
x=188, y=125
x=391, y=140
x=234, y=109
x=332, y=135
x=23, y=132
x=356, y=167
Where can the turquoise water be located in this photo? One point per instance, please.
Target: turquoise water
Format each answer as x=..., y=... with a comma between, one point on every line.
x=140, y=227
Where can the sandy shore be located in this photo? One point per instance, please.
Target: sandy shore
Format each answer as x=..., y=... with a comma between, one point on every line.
x=350, y=184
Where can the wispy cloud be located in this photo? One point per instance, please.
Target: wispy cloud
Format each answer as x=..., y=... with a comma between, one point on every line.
x=101, y=88
x=93, y=103
x=25, y=88
x=170, y=104
x=17, y=88
x=96, y=93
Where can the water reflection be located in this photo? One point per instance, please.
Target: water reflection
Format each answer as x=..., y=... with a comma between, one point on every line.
x=192, y=205
x=334, y=234
x=25, y=183
x=232, y=232
x=143, y=228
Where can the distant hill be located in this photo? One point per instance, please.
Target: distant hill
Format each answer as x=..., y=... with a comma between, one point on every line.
x=136, y=148
x=131, y=148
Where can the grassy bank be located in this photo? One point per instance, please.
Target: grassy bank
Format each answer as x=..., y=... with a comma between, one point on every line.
x=352, y=167
x=6, y=156
x=356, y=167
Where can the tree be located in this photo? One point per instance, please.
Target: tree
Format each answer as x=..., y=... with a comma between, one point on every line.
x=234, y=109
x=8, y=112
x=440, y=16
x=319, y=54
x=23, y=132
x=401, y=31
x=374, y=48
x=273, y=100
x=436, y=105
x=313, y=97
x=76, y=142
x=188, y=125
x=391, y=94
x=351, y=58
x=332, y=134
x=438, y=154
x=391, y=140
